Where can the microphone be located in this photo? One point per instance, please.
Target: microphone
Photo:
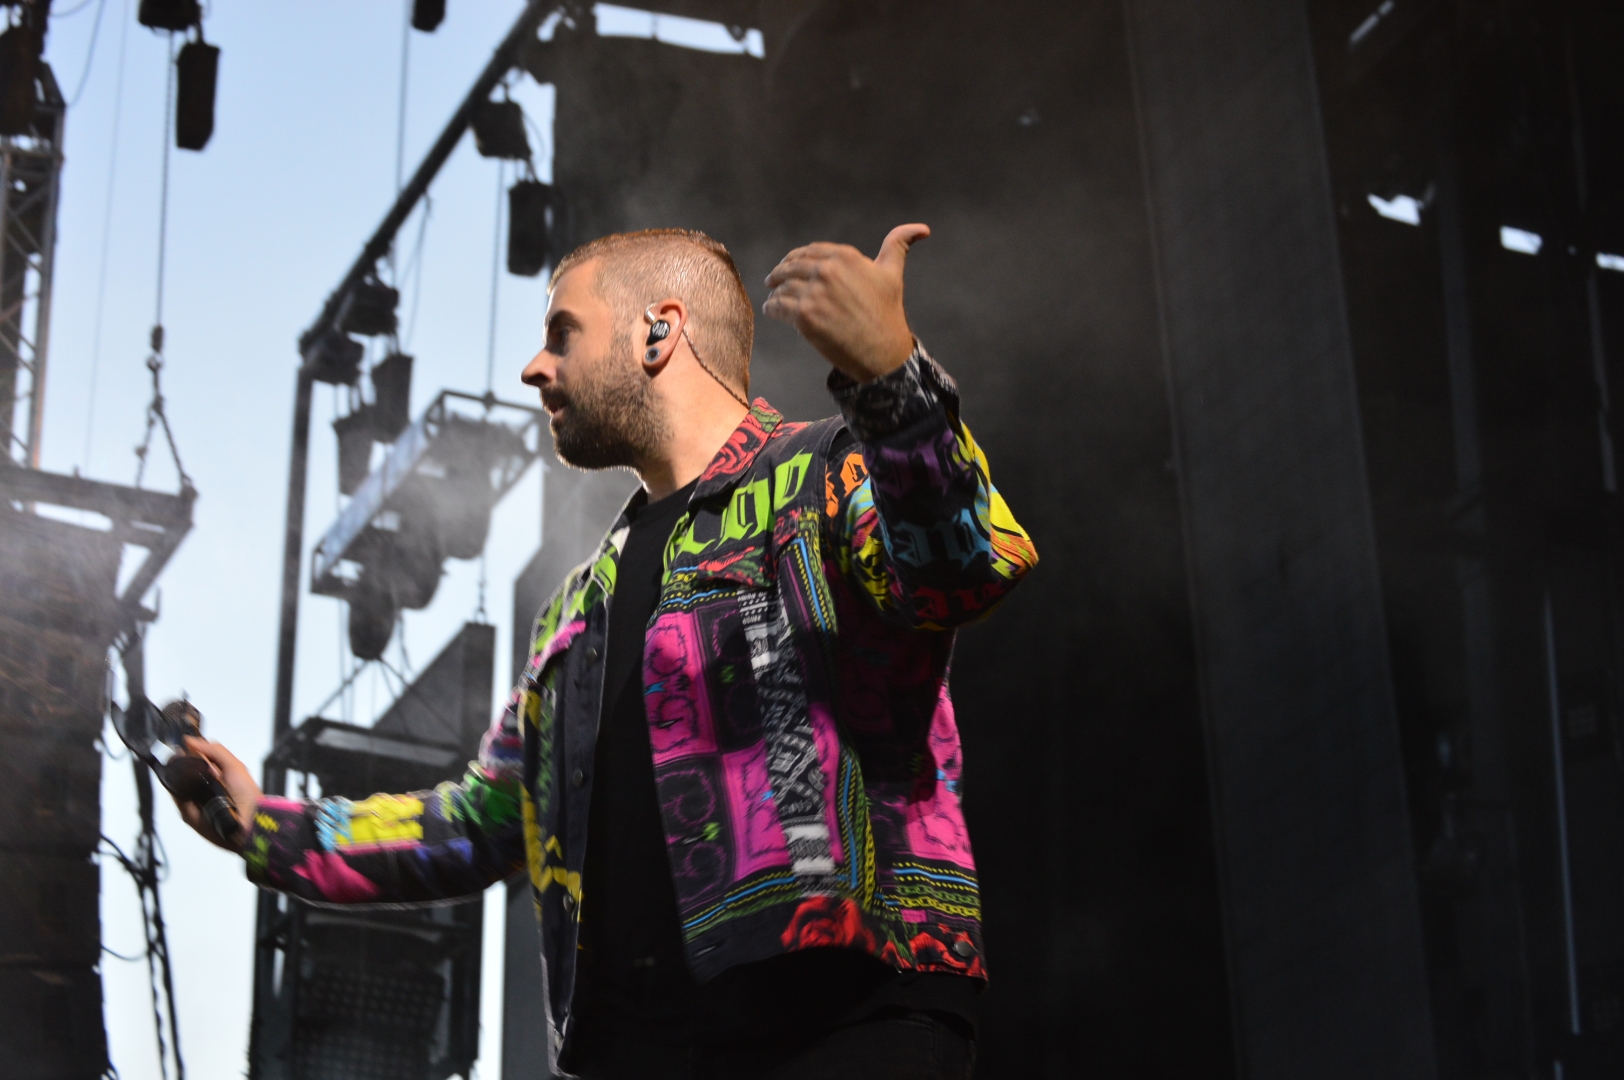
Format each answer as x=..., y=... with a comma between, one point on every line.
x=158, y=737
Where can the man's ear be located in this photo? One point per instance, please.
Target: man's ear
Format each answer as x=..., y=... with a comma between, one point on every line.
x=666, y=321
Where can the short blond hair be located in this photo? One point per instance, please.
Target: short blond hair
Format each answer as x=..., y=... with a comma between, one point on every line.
x=637, y=269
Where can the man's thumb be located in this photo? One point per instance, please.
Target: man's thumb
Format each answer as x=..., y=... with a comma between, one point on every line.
x=894, y=250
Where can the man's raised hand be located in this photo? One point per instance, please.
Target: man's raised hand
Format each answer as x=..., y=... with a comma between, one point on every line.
x=848, y=305
x=239, y=784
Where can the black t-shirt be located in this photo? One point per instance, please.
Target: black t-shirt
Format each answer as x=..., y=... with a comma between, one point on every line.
x=632, y=963
x=633, y=979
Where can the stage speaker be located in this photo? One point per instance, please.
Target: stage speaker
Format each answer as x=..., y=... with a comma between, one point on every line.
x=196, y=69
x=379, y=995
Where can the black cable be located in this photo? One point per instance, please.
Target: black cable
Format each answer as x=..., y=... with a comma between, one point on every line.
x=414, y=266
x=163, y=195
x=400, y=117
x=155, y=362
x=90, y=53
x=107, y=230
x=147, y=868
x=496, y=277
x=411, y=688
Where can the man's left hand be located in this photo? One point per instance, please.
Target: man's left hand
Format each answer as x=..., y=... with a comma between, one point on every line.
x=848, y=305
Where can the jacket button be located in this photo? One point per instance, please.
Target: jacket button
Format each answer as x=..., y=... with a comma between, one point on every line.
x=569, y=902
x=578, y=778
x=964, y=948
x=591, y=655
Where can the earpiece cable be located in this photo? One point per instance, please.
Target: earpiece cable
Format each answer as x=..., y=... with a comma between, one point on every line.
x=648, y=313
x=736, y=396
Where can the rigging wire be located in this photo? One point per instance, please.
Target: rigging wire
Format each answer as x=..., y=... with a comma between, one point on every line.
x=496, y=278
x=400, y=639
x=90, y=53
x=343, y=686
x=400, y=116
x=163, y=197
x=155, y=360
x=107, y=232
x=143, y=869
x=407, y=687
x=400, y=129
x=147, y=864
x=414, y=266
x=479, y=611
x=490, y=344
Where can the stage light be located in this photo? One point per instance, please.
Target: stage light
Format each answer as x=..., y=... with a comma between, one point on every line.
x=468, y=451
x=427, y=15
x=1521, y=240
x=355, y=438
x=381, y=420
x=370, y=310
x=531, y=218
x=392, y=396
x=499, y=131
x=399, y=556
x=370, y=629
x=1401, y=208
x=429, y=500
x=335, y=358
x=169, y=14
x=195, y=71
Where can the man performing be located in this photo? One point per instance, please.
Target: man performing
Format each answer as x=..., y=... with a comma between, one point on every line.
x=731, y=763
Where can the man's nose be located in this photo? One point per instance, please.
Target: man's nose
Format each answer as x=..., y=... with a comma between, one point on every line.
x=541, y=370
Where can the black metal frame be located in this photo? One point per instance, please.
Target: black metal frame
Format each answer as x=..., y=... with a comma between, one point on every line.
x=443, y=940
x=273, y=921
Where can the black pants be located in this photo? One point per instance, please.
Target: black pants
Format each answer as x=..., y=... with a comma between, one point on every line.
x=893, y=1046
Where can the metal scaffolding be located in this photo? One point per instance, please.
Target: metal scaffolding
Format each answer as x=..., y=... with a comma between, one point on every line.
x=30, y=179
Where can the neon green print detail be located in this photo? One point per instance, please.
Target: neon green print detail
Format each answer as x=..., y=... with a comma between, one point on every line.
x=749, y=513
x=478, y=801
x=547, y=623
x=788, y=478
x=682, y=541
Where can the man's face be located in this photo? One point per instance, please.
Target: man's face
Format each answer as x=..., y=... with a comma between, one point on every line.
x=603, y=407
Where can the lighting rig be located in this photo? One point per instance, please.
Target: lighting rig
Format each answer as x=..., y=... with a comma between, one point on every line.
x=431, y=500
x=388, y=994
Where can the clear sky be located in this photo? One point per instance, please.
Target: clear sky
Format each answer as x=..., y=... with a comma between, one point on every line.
x=261, y=226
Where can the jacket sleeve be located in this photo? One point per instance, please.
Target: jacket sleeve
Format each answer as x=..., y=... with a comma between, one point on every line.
x=446, y=844
x=916, y=523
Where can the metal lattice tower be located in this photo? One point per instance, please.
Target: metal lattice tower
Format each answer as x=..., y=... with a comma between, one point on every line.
x=30, y=179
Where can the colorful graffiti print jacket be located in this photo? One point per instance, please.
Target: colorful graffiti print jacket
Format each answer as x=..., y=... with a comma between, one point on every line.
x=806, y=758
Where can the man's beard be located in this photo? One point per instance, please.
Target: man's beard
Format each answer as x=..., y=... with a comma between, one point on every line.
x=611, y=416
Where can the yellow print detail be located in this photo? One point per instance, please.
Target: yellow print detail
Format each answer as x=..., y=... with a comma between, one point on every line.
x=1014, y=548
x=384, y=819
x=532, y=843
